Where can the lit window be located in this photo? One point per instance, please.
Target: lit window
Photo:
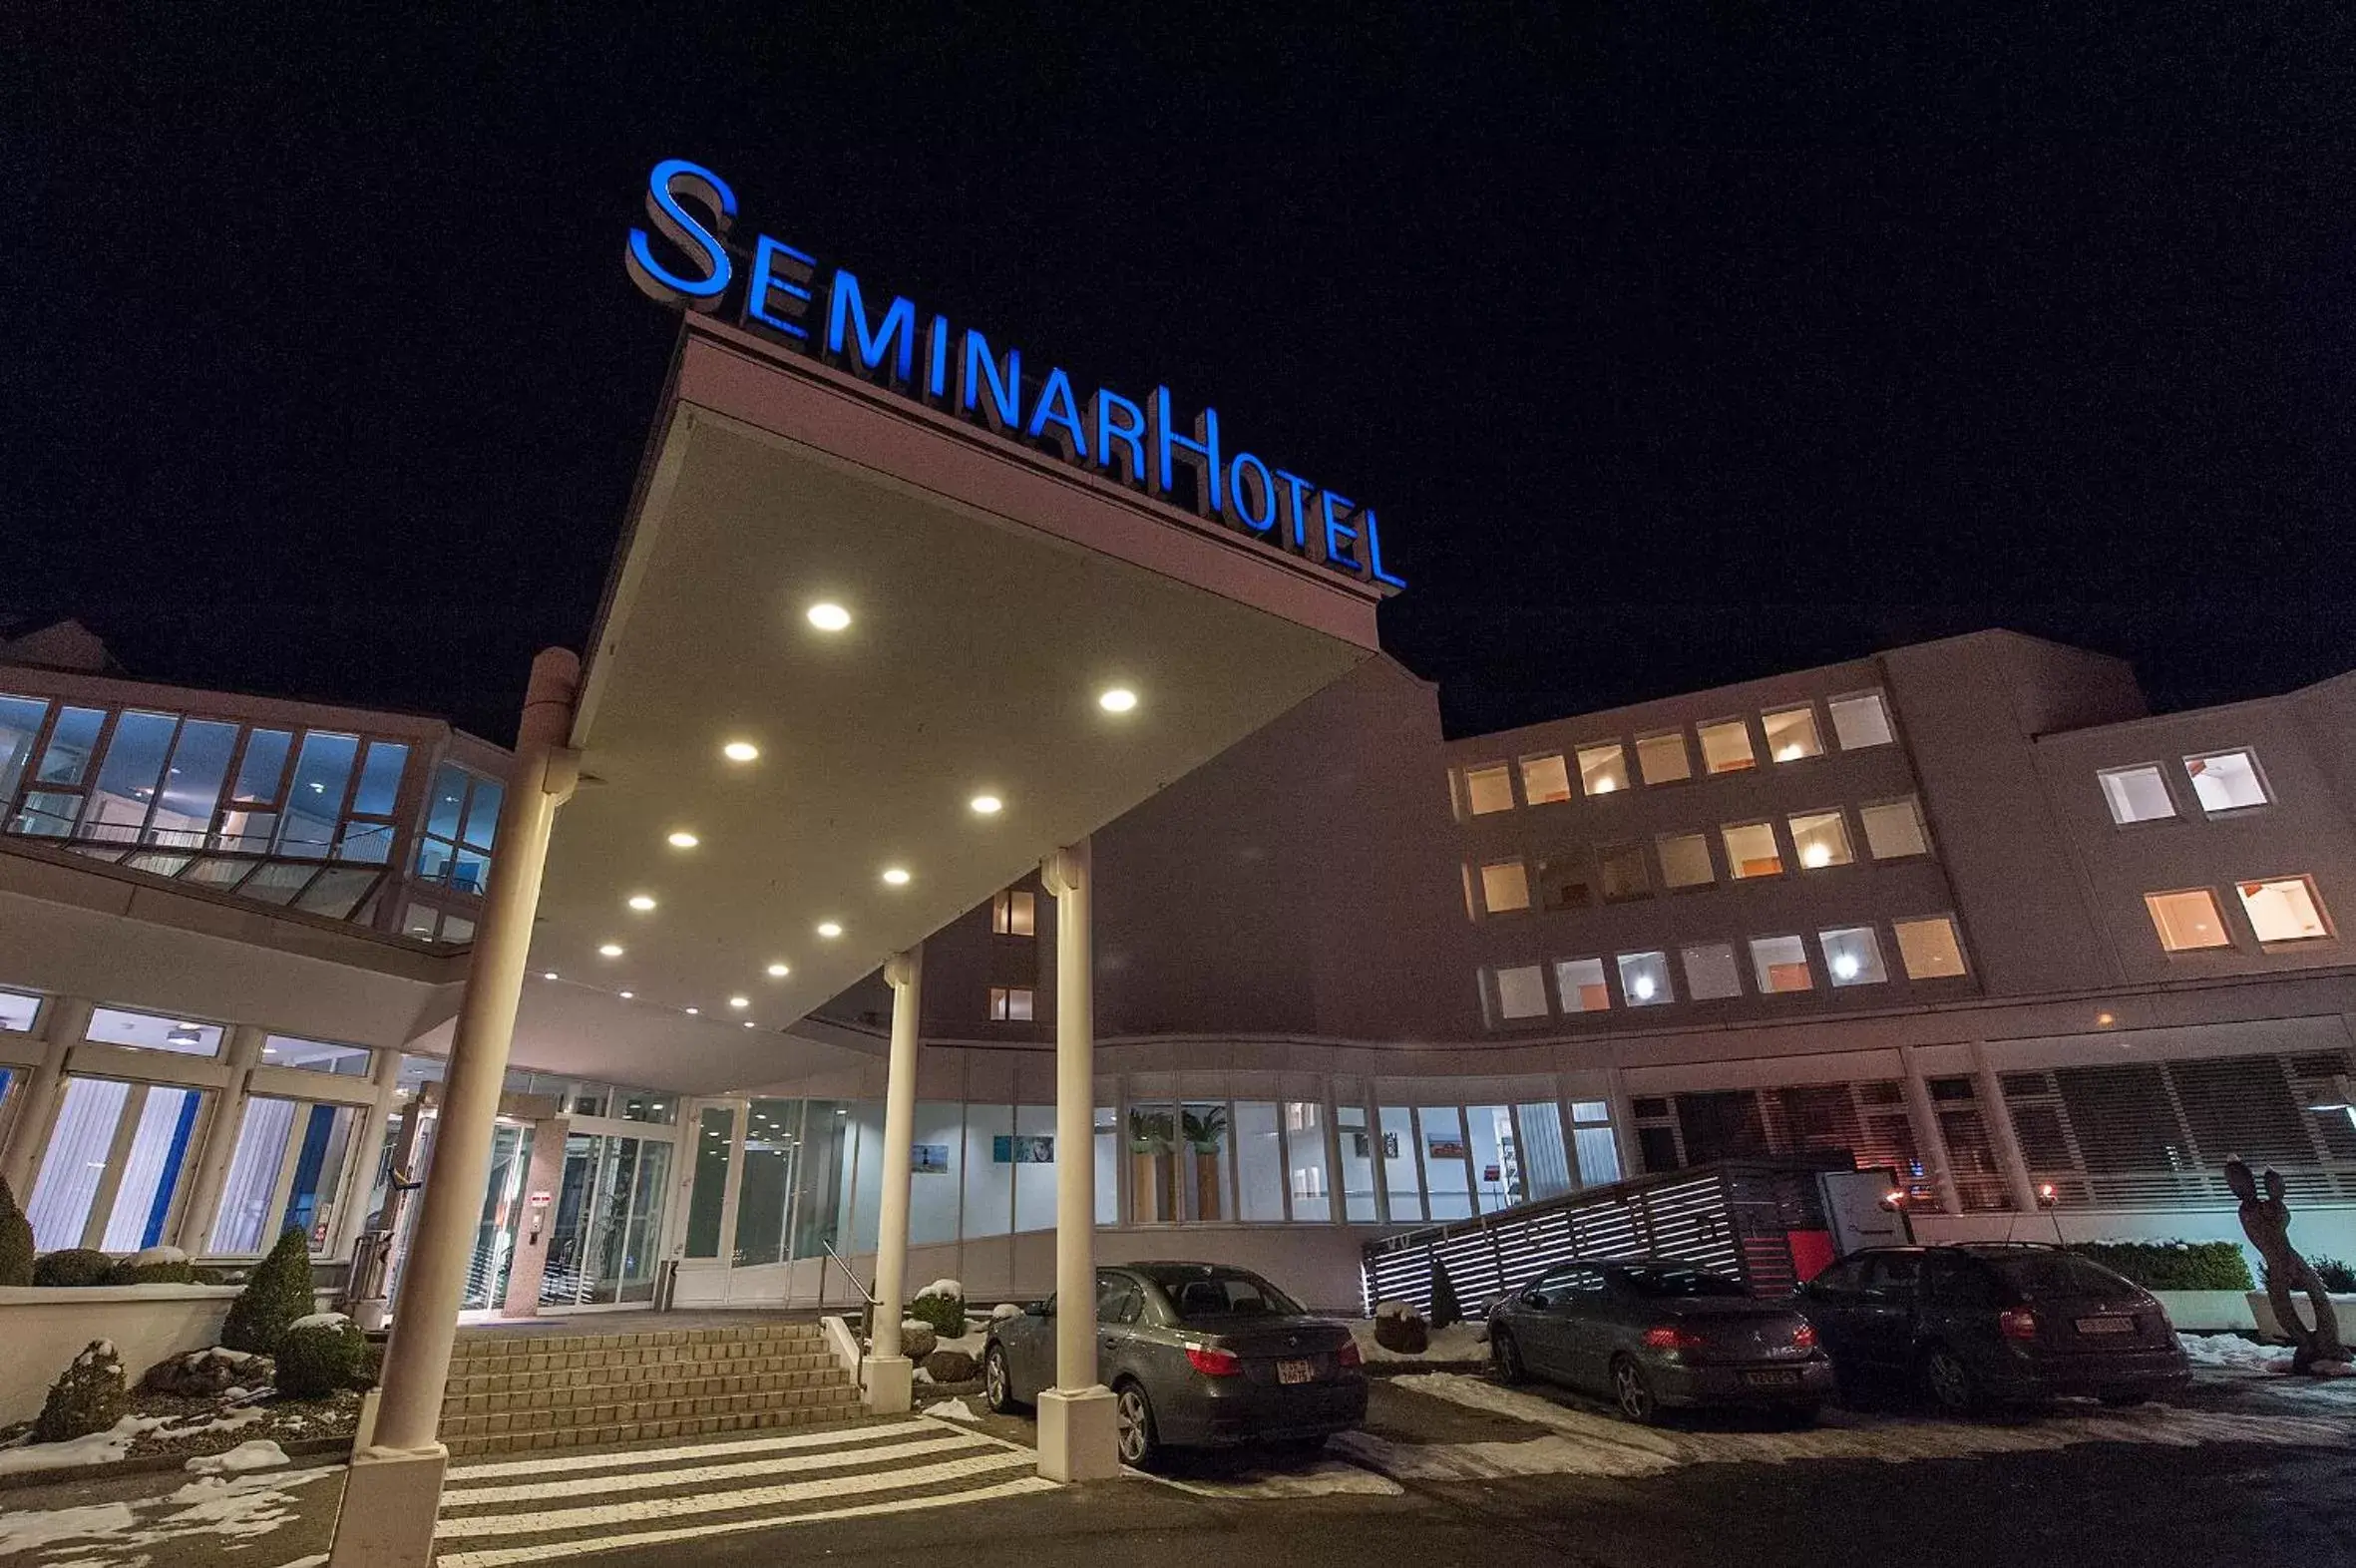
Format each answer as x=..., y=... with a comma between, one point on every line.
x=20, y=725
x=1012, y=914
x=1852, y=956
x=1750, y=849
x=1562, y=880
x=1725, y=747
x=1504, y=887
x=344, y=1062
x=140, y=1032
x=1010, y=1005
x=1644, y=979
x=1859, y=722
x=2226, y=781
x=17, y=1011
x=1520, y=991
x=279, y=1137
x=1893, y=829
x=462, y=820
x=1663, y=758
x=2187, y=920
x=1928, y=947
x=1710, y=971
x=1580, y=983
x=1792, y=734
x=2136, y=794
x=1602, y=769
x=140, y=1134
x=1821, y=839
x=2283, y=909
x=1545, y=779
x=1781, y=963
x=1623, y=872
x=1684, y=859
x=1488, y=789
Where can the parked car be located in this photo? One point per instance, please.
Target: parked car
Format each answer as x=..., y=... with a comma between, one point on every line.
x=1197, y=1356
x=1650, y=1333
x=1976, y=1325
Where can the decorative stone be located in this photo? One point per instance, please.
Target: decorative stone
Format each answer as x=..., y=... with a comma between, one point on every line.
x=206, y=1374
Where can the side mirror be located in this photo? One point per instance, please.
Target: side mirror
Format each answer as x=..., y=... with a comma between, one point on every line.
x=1533, y=1297
x=1044, y=1309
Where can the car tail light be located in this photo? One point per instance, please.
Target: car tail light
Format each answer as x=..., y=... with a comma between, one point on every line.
x=1214, y=1364
x=1348, y=1356
x=1670, y=1337
x=2017, y=1323
x=1804, y=1337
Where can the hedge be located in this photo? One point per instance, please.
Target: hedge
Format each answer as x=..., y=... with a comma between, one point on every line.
x=2173, y=1265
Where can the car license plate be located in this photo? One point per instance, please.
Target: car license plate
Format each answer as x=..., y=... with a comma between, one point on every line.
x=1775, y=1378
x=2106, y=1326
x=1296, y=1372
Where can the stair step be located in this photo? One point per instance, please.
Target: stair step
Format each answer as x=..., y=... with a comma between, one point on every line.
x=636, y=1427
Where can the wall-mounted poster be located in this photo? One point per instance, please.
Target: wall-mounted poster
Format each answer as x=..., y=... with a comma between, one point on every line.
x=929, y=1159
x=1447, y=1148
x=1363, y=1146
x=1022, y=1149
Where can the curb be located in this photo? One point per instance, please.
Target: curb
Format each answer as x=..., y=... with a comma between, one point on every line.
x=152, y=1463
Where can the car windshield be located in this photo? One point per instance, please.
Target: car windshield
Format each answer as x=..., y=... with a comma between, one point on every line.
x=2055, y=1273
x=1210, y=1292
x=1659, y=1284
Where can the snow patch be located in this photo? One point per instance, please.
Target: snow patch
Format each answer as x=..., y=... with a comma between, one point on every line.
x=149, y=1255
x=1325, y=1478
x=29, y=1532
x=943, y=1287
x=2233, y=1350
x=320, y=1320
x=105, y=1448
x=1002, y=1311
x=1395, y=1310
x=260, y=1454
x=952, y=1410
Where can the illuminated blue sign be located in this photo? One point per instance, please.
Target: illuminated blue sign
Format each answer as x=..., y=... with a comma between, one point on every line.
x=692, y=210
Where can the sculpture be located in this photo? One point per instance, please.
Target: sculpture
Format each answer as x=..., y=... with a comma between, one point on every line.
x=2266, y=1221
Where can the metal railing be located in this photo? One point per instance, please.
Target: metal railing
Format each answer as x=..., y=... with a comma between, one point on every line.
x=867, y=1316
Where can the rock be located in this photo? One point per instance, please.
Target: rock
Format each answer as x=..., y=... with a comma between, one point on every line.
x=917, y=1340
x=1400, y=1330
x=951, y=1366
x=206, y=1374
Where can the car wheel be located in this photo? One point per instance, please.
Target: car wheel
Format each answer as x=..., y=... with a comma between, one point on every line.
x=1132, y=1417
x=1505, y=1356
x=996, y=1387
x=1950, y=1383
x=1632, y=1392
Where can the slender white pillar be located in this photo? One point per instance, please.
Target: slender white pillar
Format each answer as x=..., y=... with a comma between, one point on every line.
x=1077, y=1441
x=1997, y=1117
x=221, y=1142
x=889, y=1375
x=1929, y=1137
x=65, y=1022
x=393, y=1490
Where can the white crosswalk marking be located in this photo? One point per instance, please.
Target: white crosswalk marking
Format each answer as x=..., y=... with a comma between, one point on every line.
x=646, y=1480
x=568, y=1462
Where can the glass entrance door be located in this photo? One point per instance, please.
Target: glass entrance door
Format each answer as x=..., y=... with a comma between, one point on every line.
x=608, y=1221
x=503, y=1209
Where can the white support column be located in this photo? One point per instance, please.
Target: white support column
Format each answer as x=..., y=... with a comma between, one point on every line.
x=226, y=1116
x=392, y=1493
x=1929, y=1138
x=66, y=1020
x=888, y=1373
x=1078, y=1436
x=1997, y=1117
x=1624, y=1124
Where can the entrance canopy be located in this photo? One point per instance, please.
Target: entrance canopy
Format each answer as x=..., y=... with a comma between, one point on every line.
x=861, y=666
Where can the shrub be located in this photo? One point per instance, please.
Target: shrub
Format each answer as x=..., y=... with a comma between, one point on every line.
x=1400, y=1328
x=155, y=1265
x=88, y=1398
x=370, y=1372
x=917, y=1338
x=2337, y=1276
x=73, y=1267
x=16, y=1241
x=276, y=1294
x=942, y=1305
x=1445, y=1309
x=950, y=1367
x=2172, y=1264
x=320, y=1354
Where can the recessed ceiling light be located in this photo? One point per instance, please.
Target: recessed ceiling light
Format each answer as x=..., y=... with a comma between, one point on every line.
x=896, y=875
x=740, y=1001
x=611, y=950
x=986, y=805
x=627, y=994
x=548, y=974
x=1120, y=699
x=685, y=840
x=829, y=616
x=779, y=971
x=693, y=1012
x=641, y=902
x=740, y=751
x=829, y=930
x=748, y=1024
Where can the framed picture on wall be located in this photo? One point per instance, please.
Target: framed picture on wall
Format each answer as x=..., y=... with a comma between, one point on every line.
x=929, y=1159
x=1447, y=1148
x=1022, y=1149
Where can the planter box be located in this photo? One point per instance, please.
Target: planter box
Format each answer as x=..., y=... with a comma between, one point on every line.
x=2262, y=1310
x=44, y=1328
x=2208, y=1312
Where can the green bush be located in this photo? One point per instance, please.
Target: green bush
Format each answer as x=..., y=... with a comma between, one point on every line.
x=90, y=1397
x=16, y=1241
x=370, y=1372
x=944, y=1313
x=2337, y=1276
x=73, y=1267
x=318, y=1356
x=2173, y=1265
x=275, y=1295
x=155, y=1271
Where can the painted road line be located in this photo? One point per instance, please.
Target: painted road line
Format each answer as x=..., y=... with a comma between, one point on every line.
x=650, y=1480
x=630, y=1458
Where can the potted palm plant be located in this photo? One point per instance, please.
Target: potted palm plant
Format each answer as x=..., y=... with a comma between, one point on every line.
x=1205, y=1130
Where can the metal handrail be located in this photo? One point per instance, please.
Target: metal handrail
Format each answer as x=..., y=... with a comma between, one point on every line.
x=867, y=1318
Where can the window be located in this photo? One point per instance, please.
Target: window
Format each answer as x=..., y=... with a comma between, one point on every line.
x=1750, y=849
x=1893, y=829
x=1663, y=758
x=17, y=1011
x=1591, y=1134
x=1304, y=1160
x=1504, y=887
x=112, y=1165
x=1684, y=859
x=1929, y=947
x=1709, y=971
x=1781, y=963
x=1357, y=1149
x=1545, y=1162
x=1010, y=1003
x=2226, y=781
x=1725, y=747
x=140, y=1032
x=1545, y=779
x=461, y=821
x=1602, y=769
x=2187, y=920
x=1791, y=733
x=1580, y=983
x=1821, y=839
x=1859, y=722
x=287, y=1167
x=1644, y=979
x=1012, y=914
x=2283, y=909
x=1448, y=1170
x=1488, y=789
x=1520, y=991
x=20, y=725
x=2136, y=794
x=1400, y=1183
x=344, y=1062
x=716, y=1127
x=1623, y=872
x=1852, y=956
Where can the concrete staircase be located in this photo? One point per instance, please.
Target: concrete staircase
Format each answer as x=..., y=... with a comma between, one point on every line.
x=534, y=1389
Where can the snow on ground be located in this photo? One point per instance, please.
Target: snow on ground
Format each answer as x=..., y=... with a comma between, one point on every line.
x=1458, y=1342
x=952, y=1410
x=260, y=1454
x=98, y=1449
x=2231, y=1349
x=120, y=1533
x=319, y=1320
x=1325, y=1478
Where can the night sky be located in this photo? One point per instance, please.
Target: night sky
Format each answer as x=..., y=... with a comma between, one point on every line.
x=1673, y=347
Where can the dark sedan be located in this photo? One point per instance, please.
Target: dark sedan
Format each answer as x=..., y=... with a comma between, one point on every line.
x=1653, y=1332
x=1198, y=1356
x=1978, y=1324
